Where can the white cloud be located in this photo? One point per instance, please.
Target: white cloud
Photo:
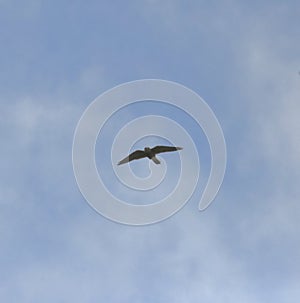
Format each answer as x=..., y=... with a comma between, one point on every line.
x=210, y=256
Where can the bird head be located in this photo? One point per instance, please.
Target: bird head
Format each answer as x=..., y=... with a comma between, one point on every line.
x=146, y=149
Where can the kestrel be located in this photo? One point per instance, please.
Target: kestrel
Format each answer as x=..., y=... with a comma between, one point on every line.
x=149, y=153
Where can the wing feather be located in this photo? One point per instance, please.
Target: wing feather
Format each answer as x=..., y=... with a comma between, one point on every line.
x=138, y=154
x=163, y=149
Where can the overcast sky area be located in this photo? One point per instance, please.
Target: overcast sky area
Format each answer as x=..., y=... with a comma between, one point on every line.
x=242, y=57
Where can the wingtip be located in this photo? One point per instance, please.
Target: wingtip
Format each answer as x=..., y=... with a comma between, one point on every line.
x=179, y=148
x=122, y=162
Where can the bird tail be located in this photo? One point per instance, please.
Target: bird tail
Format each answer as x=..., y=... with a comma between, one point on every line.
x=155, y=160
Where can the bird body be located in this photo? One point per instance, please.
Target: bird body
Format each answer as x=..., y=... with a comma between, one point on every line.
x=149, y=153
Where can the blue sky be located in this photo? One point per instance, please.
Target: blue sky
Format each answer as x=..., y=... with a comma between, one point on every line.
x=242, y=57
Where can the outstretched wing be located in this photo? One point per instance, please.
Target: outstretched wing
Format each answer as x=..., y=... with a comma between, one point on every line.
x=164, y=149
x=138, y=154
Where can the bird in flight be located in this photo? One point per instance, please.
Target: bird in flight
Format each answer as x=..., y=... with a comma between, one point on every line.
x=149, y=153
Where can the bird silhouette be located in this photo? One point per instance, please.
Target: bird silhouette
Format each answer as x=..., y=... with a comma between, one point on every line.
x=149, y=153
